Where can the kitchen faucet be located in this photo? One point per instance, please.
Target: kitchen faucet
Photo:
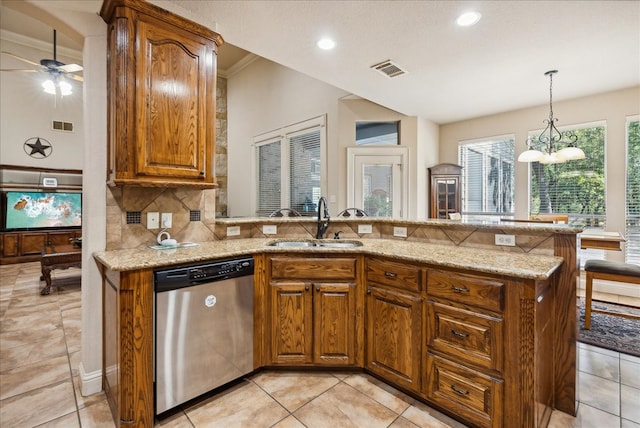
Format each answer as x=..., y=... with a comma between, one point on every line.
x=323, y=223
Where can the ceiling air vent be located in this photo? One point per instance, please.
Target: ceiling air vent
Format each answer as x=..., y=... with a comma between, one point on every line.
x=389, y=69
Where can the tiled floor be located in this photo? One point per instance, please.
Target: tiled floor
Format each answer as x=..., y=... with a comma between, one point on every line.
x=40, y=353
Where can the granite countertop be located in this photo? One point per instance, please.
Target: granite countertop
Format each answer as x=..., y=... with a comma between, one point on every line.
x=529, y=266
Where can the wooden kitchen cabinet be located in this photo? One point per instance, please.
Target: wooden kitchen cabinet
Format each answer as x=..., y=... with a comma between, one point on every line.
x=444, y=190
x=394, y=322
x=162, y=89
x=313, y=310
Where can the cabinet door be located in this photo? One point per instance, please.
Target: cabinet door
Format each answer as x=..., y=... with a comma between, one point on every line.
x=334, y=309
x=291, y=322
x=60, y=238
x=32, y=243
x=175, y=75
x=10, y=245
x=394, y=336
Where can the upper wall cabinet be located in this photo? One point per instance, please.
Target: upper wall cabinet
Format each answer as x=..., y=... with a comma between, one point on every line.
x=162, y=91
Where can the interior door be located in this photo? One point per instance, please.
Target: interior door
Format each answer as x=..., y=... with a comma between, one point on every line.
x=378, y=181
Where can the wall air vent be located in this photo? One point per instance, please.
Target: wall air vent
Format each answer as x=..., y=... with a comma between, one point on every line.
x=59, y=125
x=389, y=69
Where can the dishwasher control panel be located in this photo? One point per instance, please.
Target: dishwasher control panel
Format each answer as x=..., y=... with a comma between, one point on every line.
x=168, y=279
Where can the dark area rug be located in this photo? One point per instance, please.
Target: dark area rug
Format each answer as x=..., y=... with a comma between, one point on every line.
x=608, y=331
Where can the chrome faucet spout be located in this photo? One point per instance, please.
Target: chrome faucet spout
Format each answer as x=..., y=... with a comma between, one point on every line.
x=323, y=217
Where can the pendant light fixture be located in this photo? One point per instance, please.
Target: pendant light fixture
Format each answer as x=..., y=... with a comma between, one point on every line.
x=550, y=147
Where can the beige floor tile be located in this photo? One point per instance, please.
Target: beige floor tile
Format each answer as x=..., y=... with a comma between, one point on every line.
x=23, y=318
x=384, y=394
x=36, y=333
x=598, y=350
x=289, y=422
x=631, y=358
x=244, y=405
x=32, y=352
x=38, y=406
x=628, y=424
x=346, y=407
x=630, y=403
x=294, y=389
x=403, y=423
x=97, y=415
x=22, y=379
x=590, y=417
x=599, y=393
x=89, y=400
x=630, y=373
x=424, y=416
x=178, y=420
x=602, y=365
x=67, y=421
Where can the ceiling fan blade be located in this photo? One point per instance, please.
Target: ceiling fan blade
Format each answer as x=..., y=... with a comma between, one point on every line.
x=74, y=77
x=70, y=68
x=21, y=59
x=27, y=70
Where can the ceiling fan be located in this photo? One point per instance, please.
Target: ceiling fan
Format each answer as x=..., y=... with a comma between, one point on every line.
x=55, y=68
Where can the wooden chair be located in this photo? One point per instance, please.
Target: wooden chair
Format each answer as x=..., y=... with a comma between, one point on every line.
x=357, y=212
x=285, y=212
x=610, y=271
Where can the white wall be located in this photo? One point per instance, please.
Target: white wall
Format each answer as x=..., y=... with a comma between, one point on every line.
x=611, y=107
x=26, y=111
x=265, y=96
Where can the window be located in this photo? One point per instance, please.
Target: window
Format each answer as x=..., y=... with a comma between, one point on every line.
x=487, y=177
x=289, y=167
x=576, y=187
x=632, y=233
x=377, y=133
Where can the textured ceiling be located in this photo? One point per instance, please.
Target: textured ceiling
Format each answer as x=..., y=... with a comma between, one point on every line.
x=453, y=73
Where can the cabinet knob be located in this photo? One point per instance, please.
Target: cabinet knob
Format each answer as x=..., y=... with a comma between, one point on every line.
x=306, y=288
x=368, y=291
x=202, y=173
x=318, y=289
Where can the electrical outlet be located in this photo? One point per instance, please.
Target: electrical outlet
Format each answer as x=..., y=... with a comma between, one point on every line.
x=269, y=229
x=508, y=240
x=167, y=219
x=233, y=231
x=153, y=220
x=400, y=231
x=365, y=228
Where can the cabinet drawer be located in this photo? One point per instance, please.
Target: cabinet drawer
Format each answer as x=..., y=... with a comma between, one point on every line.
x=466, y=289
x=394, y=274
x=473, y=338
x=468, y=393
x=313, y=268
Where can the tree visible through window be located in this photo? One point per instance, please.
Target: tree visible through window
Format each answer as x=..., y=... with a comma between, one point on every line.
x=576, y=187
x=633, y=192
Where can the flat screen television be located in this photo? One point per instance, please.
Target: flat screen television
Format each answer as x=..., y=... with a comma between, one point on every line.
x=41, y=210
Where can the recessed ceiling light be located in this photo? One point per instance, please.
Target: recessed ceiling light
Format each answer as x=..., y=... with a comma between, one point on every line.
x=468, y=19
x=326, y=44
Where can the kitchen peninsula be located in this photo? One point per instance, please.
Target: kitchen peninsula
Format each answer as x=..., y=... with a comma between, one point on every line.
x=484, y=333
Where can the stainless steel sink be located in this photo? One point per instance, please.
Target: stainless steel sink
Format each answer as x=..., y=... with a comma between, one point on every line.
x=324, y=244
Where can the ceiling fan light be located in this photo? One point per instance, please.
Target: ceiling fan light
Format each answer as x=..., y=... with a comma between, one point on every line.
x=572, y=153
x=49, y=87
x=531, y=156
x=65, y=88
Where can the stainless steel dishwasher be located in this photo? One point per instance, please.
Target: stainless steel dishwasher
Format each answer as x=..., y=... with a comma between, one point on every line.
x=204, y=328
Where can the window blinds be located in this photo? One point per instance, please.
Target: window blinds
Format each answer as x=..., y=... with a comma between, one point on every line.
x=632, y=233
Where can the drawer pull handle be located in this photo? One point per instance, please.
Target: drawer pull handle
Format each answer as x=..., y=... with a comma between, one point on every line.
x=457, y=333
x=459, y=391
x=459, y=289
x=390, y=274
x=306, y=288
x=318, y=289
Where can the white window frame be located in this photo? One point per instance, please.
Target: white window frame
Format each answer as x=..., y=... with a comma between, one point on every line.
x=283, y=135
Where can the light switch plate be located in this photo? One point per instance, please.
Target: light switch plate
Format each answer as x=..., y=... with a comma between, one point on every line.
x=233, y=231
x=400, y=231
x=365, y=228
x=153, y=221
x=167, y=219
x=269, y=229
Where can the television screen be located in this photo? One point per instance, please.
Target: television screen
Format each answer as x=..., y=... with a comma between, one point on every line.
x=36, y=210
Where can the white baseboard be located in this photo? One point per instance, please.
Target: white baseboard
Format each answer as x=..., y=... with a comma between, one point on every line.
x=90, y=383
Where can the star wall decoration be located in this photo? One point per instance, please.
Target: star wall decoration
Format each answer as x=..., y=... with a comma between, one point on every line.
x=37, y=147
